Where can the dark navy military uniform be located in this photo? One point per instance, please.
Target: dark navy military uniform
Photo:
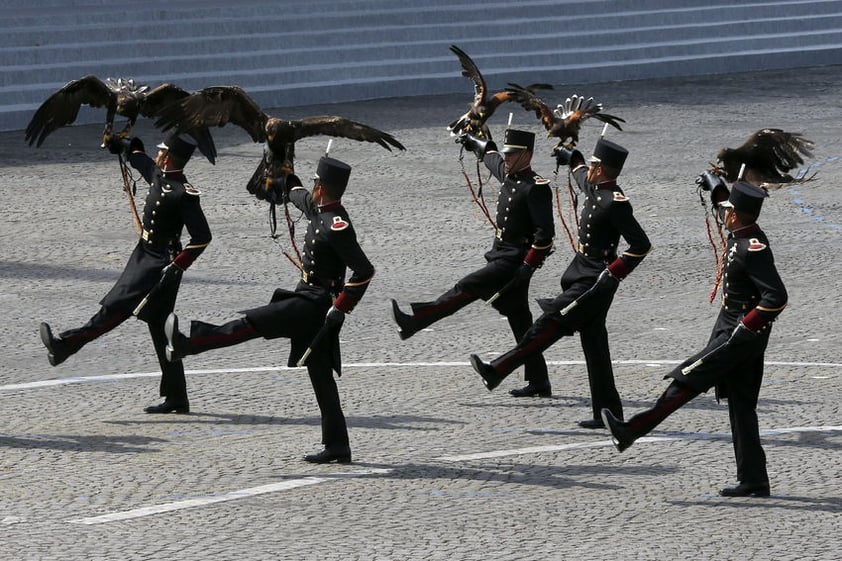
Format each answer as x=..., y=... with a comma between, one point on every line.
x=605, y=216
x=330, y=248
x=171, y=205
x=524, y=233
x=753, y=295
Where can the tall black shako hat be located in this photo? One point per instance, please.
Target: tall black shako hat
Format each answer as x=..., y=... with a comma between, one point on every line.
x=333, y=172
x=609, y=154
x=746, y=197
x=515, y=140
x=179, y=145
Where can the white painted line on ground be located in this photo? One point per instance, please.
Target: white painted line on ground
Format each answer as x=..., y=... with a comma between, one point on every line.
x=130, y=375
x=233, y=495
x=608, y=443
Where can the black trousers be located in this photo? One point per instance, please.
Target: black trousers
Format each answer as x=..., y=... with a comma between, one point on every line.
x=483, y=284
x=173, y=383
x=736, y=369
x=588, y=317
x=206, y=336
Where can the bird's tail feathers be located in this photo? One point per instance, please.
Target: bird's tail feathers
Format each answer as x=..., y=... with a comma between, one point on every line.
x=576, y=103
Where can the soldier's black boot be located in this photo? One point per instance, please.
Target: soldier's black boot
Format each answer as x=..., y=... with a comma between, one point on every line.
x=406, y=323
x=489, y=377
x=179, y=406
x=338, y=454
x=178, y=345
x=533, y=390
x=621, y=435
x=57, y=351
x=747, y=490
x=69, y=342
x=425, y=314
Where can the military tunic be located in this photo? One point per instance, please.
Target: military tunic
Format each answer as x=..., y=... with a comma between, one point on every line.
x=606, y=215
x=330, y=248
x=171, y=204
x=524, y=233
x=754, y=294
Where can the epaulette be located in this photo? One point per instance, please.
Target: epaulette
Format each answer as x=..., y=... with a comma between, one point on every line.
x=620, y=197
x=190, y=190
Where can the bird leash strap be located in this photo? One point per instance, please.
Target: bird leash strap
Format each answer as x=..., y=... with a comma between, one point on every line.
x=130, y=187
x=476, y=196
x=718, y=251
x=273, y=227
x=558, y=206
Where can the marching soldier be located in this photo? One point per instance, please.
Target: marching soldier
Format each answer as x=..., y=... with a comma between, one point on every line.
x=524, y=239
x=590, y=281
x=752, y=297
x=155, y=266
x=311, y=315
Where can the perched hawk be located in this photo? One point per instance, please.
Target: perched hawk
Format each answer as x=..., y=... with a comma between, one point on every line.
x=768, y=154
x=565, y=121
x=119, y=97
x=484, y=105
x=220, y=105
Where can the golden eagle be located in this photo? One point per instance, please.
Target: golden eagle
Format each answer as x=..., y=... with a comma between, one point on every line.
x=220, y=105
x=768, y=154
x=565, y=121
x=483, y=106
x=119, y=97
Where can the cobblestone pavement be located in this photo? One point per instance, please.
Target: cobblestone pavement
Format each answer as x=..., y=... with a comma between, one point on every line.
x=443, y=469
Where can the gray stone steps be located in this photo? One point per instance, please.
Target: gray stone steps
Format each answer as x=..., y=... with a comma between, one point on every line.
x=291, y=53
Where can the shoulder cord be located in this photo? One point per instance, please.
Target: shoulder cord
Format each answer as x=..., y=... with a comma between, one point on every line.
x=574, y=204
x=476, y=196
x=130, y=188
x=718, y=252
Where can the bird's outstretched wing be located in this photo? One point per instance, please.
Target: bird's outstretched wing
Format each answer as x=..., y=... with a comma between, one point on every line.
x=469, y=121
x=281, y=132
x=165, y=95
x=769, y=155
x=62, y=107
x=528, y=100
x=158, y=98
x=473, y=121
x=565, y=121
x=215, y=106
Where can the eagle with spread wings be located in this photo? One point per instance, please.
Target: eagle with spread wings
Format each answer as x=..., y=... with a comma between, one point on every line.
x=220, y=105
x=769, y=155
x=119, y=97
x=484, y=104
x=565, y=121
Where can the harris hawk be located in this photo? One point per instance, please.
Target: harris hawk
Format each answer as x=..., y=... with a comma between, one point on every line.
x=119, y=97
x=565, y=121
x=220, y=105
x=768, y=155
x=484, y=104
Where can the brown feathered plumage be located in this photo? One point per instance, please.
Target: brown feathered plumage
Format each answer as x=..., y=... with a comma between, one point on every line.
x=768, y=154
x=119, y=97
x=483, y=105
x=565, y=121
x=220, y=105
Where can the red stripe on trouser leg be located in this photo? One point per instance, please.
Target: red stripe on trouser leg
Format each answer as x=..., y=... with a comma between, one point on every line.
x=101, y=323
x=214, y=337
x=673, y=397
x=505, y=364
x=427, y=314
